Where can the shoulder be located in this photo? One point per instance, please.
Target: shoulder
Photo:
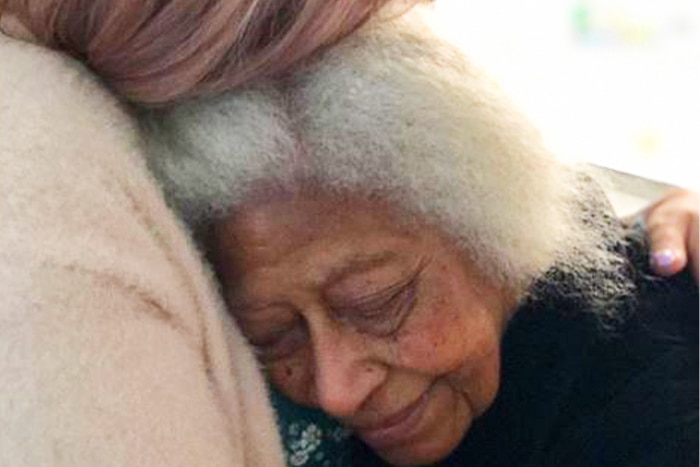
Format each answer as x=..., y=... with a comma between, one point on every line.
x=635, y=400
x=591, y=393
x=65, y=138
x=75, y=192
x=52, y=98
x=100, y=285
x=63, y=133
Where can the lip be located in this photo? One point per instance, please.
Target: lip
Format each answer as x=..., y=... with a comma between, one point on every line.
x=397, y=427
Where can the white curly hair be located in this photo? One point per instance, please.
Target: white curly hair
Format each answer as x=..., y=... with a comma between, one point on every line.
x=393, y=111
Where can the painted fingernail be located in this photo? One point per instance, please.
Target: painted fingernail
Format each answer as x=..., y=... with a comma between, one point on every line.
x=663, y=259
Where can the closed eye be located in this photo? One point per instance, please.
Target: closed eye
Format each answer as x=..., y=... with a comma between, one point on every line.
x=381, y=313
x=375, y=304
x=282, y=343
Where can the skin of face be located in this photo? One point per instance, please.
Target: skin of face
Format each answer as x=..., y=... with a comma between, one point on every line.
x=381, y=323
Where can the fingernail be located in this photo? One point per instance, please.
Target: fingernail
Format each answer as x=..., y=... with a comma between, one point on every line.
x=663, y=259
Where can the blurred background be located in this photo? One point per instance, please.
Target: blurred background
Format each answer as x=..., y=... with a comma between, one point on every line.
x=612, y=82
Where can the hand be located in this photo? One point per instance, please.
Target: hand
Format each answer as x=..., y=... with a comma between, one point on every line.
x=672, y=229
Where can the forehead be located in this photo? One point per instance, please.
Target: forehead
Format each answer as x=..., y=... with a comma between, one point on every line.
x=298, y=220
x=326, y=233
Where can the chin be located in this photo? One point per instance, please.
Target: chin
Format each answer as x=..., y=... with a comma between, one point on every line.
x=429, y=450
x=411, y=456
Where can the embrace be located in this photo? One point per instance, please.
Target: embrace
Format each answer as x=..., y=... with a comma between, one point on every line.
x=376, y=229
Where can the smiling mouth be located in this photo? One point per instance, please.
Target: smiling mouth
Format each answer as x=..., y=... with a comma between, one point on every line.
x=398, y=427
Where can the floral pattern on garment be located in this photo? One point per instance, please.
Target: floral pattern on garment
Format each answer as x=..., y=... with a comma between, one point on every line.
x=310, y=438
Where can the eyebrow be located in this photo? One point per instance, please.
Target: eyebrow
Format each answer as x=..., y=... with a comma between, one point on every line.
x=358, y=264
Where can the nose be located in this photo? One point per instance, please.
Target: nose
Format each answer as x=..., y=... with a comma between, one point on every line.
x=345, y=372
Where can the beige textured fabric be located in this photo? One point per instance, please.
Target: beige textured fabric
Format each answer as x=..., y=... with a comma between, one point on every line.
x=114, y=347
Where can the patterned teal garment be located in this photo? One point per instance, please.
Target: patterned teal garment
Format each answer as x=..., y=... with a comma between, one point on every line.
x=310, y=438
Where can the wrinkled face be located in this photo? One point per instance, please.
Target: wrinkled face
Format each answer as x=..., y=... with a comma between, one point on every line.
x=382, y=324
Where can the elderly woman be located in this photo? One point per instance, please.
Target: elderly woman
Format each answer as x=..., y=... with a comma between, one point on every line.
x=404, y=254
x=114, y=345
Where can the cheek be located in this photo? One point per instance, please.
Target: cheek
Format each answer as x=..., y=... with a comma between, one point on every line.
x=445, y=344
x=451, y=331
x=291, y=377
x=460, y=347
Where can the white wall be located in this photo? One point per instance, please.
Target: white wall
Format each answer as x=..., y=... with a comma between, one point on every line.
x=615, y=82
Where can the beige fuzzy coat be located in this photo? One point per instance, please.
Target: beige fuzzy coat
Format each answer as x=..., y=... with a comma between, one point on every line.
x=114, y=346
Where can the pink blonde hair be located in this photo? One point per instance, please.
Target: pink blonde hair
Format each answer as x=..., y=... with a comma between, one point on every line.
x=154, y=52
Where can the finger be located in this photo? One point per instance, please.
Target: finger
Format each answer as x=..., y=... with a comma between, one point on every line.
x=668, y=261
x=667, y=238
x=669, y=222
